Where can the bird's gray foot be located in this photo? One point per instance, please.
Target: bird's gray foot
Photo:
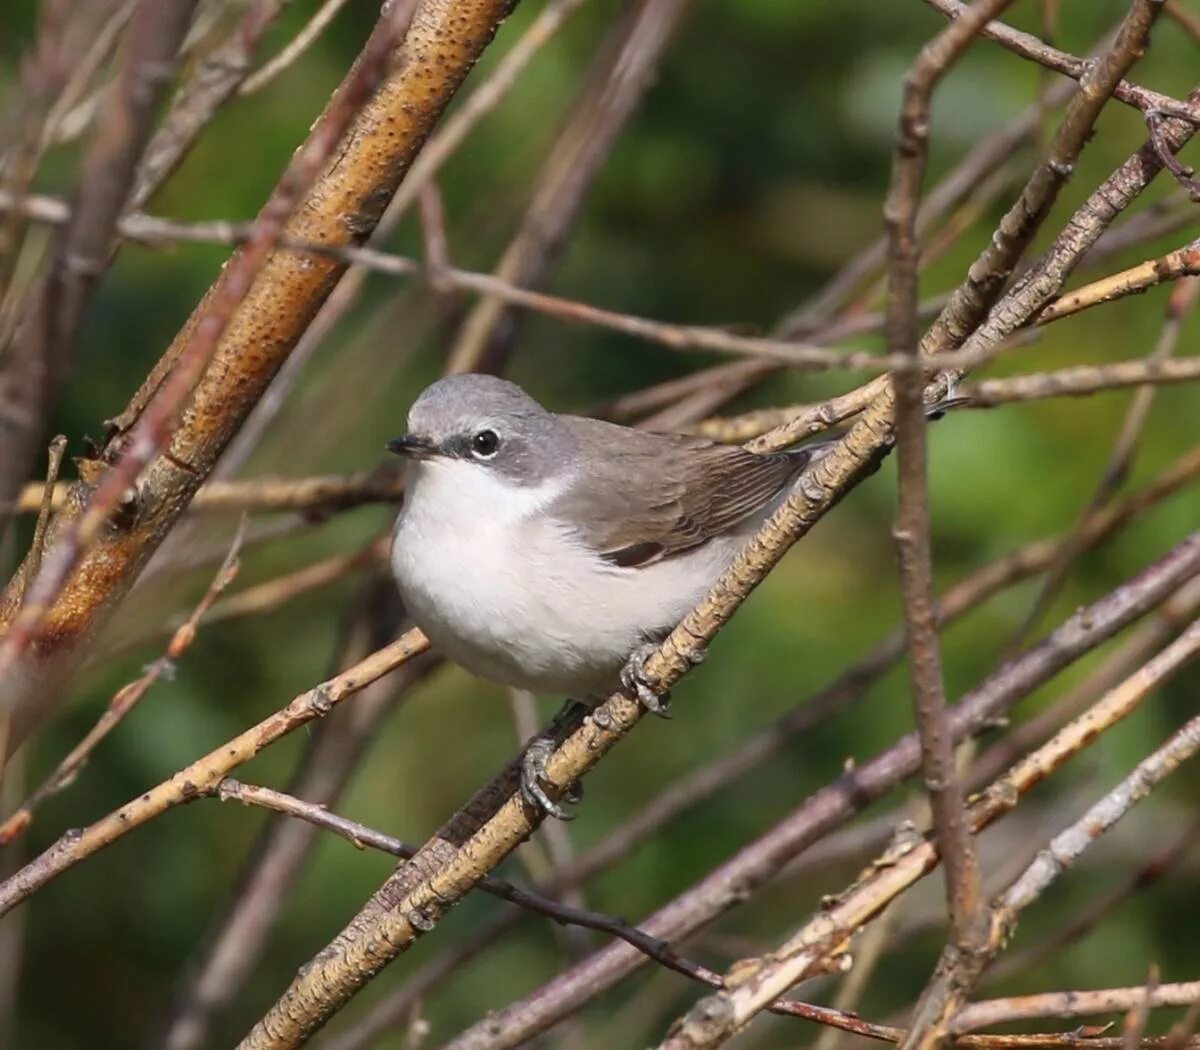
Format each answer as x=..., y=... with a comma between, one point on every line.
x=533, y=772
x=641, y=685
x=537, y=755
x=950, y=399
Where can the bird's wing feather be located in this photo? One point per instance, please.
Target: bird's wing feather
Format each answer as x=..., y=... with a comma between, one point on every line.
x=700, y=489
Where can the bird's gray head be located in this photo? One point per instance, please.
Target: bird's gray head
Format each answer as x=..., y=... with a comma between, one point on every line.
x=487, y=421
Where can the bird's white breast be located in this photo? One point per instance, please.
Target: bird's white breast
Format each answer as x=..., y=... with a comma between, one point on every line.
x=511, y=595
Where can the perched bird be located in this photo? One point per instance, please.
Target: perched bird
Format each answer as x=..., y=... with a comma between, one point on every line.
x=549, y=552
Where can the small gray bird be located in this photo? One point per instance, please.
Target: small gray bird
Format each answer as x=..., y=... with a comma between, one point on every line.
x=549, y=551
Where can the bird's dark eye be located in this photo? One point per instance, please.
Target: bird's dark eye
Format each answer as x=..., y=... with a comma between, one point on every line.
x=485, y=444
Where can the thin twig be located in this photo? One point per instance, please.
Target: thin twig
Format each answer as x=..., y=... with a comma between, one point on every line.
x=679, y=337
x=1081, y=381
x=912, y=530
x=335, y=750
x=1043, y=54
x=296, y=47
x=209, y=85
x=33, y=368
x=196, y=778
x=1179, y=304
x=1146, y=876
x=441, y=145
x=1183, y=262
x=617, y=80
x=1186, y=18
x=125, y=699
x=762, y=980
x=44, y=495
x=362, y=836
x=316, y=495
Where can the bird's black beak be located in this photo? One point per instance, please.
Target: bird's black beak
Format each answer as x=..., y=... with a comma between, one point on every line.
x=411, y=445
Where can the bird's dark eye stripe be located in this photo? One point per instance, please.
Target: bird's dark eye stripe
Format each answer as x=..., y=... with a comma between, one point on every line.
x=458, y=447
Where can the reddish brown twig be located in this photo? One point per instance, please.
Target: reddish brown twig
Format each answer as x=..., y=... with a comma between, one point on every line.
x=152, y=430
x=383, y=139
x=912, y=531
x=442, y=145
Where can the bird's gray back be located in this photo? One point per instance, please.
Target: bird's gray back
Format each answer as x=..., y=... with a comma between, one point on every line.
x=644, y=496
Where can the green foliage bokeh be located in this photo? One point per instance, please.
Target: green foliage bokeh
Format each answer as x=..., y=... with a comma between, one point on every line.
x=755, y=166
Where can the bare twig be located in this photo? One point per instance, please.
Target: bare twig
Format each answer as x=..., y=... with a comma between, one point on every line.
x=196, y=778
x=1035, y=50
x=323, y=986
x=125, y=699
x=272, y=594
x=703, y=783
x=620, y=75
x=211, y=83
x=83, y=76
x=1179, y=305
x=1067, y=846
x=44, y=495
x=1183, y=262
x=441, y=145
x=1082, y=380
x=912, y=529
x=977, y=1015
x=1185, y=17
x=761, y=981
x=793, y=423
x=768, y=352
x=150, y=429
x=312, y=495
x=296, y=47
x=362, y=836
x=1071, y=1004
x=239, y=933
x=1147, y=875
x=35, y=364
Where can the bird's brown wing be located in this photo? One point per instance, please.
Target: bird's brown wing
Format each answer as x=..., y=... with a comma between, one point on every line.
x=648, y=496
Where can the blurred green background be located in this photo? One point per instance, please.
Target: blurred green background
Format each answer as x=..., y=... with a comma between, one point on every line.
x=756, y=165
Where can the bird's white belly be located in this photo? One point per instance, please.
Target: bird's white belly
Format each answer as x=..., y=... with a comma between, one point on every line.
x=511, y=596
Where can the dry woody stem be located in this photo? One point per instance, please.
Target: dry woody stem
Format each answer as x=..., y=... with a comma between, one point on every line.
x=199, y=777
x=241, y=334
